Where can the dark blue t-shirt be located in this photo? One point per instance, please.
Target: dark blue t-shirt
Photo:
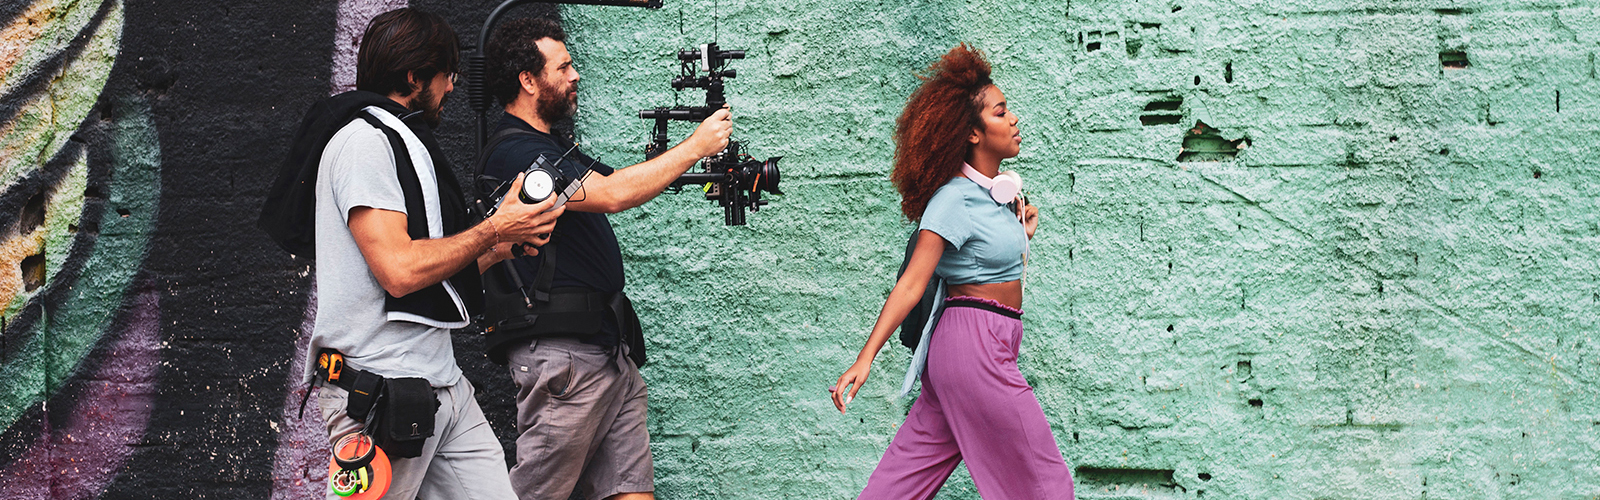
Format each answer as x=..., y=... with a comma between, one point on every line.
x=585, y=248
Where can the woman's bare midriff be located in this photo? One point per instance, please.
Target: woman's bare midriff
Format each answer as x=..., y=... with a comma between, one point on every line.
x=1008, y=293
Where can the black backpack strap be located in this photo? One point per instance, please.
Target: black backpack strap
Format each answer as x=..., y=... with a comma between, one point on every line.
x=543, y=282
x=478, y=179
x=494, y=141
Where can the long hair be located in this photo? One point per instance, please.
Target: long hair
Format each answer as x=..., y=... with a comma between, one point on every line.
x=931, y=133
x=402, y=42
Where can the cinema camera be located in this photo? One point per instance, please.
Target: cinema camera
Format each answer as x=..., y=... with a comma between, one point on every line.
x=733, y=179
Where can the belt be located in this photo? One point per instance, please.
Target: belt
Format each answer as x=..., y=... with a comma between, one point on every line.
x=575, y=313
x=574, y=302
x=332, y=370
x=984, y=305
x=363, y=386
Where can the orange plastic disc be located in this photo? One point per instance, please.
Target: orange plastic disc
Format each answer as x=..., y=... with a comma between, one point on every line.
x=381, y=473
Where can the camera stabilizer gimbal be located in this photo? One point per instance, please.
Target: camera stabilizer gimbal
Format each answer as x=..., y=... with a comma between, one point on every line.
x=733, y=179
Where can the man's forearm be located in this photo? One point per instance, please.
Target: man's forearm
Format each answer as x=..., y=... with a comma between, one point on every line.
x=633, y=186
x=438, y=259
x=403, y=265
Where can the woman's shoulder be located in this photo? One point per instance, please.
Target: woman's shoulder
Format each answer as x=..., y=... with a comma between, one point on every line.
x=957, y=191
x=952, y=198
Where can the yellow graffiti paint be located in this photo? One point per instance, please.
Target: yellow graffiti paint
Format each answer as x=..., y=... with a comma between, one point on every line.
x=14, y=39
x=51, y=240
x=49, y=116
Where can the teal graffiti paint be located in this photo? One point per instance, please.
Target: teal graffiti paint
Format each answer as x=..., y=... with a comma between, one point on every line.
x=65, y=331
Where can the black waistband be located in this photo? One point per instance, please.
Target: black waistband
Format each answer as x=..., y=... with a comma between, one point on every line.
x=574, y=313
x=575, y=300
x=984, y=306
x=332, y=370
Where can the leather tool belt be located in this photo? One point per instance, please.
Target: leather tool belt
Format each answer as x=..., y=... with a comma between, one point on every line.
x=396, y=412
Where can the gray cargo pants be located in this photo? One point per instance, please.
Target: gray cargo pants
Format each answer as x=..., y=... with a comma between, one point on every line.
x=462, y=460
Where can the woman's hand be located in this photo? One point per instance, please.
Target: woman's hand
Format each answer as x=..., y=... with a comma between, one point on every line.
x=1030, y=219
x=851, y=381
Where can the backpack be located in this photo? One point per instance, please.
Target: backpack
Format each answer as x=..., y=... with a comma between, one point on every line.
x=927, y=308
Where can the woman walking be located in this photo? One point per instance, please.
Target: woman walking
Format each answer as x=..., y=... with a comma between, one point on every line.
x=973, y=233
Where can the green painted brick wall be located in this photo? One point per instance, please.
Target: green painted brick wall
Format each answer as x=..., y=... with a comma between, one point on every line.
x=1389, y=293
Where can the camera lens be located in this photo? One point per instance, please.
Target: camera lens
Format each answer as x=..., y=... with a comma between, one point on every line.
x=769, y=176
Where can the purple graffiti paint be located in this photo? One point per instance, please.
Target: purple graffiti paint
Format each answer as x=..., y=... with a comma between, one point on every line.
x=353, y=18
x=300, y=466
x=80, y=458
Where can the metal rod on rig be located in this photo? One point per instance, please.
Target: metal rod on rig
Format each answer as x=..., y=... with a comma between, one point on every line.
x=694, y=178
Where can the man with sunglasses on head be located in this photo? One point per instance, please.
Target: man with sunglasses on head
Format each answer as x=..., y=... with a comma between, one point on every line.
x=397, y=262
x=580, y=399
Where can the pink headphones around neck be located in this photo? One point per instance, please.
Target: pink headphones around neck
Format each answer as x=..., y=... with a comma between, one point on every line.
x=1003, y=188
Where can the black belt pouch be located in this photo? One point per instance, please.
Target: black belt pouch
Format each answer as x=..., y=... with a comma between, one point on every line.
x=407, y=419
x=628, y=326
x=364, y=390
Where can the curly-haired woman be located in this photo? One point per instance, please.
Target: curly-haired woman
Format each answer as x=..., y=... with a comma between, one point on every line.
x=972, y=233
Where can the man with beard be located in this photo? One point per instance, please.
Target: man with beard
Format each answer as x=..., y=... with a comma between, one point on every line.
x=580, y=399
x=368, y=194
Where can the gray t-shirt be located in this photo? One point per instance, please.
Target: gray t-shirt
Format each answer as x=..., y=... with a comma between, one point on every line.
x=358, y=170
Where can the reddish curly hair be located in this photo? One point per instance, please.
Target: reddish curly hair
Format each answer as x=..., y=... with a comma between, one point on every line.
x=931, y=134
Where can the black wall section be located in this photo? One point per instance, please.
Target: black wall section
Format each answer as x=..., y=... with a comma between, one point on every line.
x=227, y=83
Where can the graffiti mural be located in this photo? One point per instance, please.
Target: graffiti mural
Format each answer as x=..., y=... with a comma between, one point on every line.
x=151, y=336
x=1341, y=248
x=82, y=173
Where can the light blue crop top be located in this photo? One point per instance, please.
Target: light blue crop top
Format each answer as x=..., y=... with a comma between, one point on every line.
x=984, y=241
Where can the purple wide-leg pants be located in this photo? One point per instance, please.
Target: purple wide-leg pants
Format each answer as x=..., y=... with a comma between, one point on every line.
x=974, y=405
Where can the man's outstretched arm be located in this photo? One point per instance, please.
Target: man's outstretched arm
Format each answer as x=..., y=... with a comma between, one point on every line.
x=630, y=187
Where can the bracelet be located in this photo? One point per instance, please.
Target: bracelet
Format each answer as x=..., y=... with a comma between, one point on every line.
x=494, y=228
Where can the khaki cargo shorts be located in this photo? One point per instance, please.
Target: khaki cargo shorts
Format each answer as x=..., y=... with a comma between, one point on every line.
x=580, y=421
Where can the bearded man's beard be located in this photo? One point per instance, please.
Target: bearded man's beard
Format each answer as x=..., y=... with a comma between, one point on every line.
x=432, y=113
x=553, y=104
